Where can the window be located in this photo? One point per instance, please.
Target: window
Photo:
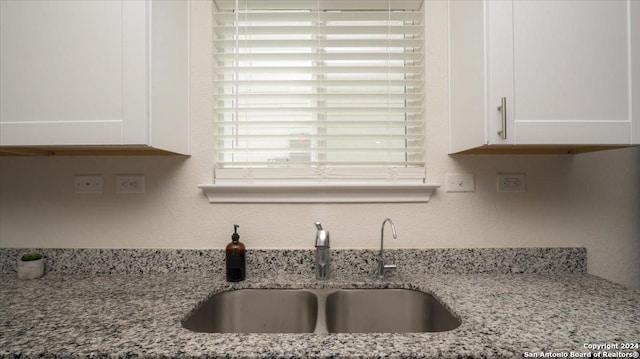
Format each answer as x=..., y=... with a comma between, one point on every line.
x=319, y=91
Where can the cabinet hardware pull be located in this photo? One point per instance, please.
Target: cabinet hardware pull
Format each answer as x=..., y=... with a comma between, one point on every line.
x=503, y=109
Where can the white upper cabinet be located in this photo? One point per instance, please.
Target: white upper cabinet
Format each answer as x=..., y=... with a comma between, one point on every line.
x=543, y=74
x=95, y=73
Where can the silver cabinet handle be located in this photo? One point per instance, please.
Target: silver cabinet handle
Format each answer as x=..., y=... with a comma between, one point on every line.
x=503, y=109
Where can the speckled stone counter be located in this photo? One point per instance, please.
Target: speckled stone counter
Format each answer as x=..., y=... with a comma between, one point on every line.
x=344, y=261
x=139, y=315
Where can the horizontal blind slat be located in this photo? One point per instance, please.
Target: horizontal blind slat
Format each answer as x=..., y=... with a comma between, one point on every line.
x=263, y=150
x=284, y=29
x=331, y=5
x=354, y=137
x=318, y=70
x=246, y=45
x=323, y=124
x=312, y=15
x=324, y=110
x=326, y=56
x=239, y=164
x=352, y=83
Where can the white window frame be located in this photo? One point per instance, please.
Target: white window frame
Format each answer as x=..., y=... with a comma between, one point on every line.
x=332, y=185
x=319, y=184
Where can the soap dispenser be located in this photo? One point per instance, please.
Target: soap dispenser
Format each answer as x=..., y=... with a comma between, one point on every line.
x=235, y=258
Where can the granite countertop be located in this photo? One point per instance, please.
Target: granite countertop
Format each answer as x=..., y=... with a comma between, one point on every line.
x=138, y=315
x=130, y=303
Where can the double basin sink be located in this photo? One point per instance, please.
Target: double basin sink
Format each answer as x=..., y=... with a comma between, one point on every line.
x=321, y=311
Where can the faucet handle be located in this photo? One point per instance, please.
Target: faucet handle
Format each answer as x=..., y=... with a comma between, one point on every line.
x=384, y=268
x=390, y=267
x=319, y=226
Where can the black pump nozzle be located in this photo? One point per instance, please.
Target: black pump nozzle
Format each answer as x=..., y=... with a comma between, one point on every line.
x=235, y=237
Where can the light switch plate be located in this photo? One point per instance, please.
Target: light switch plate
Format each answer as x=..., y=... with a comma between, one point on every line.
x=460, y=182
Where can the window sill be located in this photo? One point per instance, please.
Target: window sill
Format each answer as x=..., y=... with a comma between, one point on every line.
x=319, y=193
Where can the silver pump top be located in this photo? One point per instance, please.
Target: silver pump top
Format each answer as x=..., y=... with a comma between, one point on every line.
x=322, y=236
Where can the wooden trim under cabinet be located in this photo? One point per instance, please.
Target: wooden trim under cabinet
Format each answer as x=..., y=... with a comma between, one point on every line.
x=85, y=151
x=535, y=149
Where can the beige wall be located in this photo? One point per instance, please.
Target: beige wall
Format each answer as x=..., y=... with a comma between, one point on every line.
x=589, y=200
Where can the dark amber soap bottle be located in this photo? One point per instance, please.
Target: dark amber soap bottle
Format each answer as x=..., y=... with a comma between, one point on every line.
x=235, y=258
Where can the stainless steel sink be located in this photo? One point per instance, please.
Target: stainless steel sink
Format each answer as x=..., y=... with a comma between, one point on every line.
x=321, y=311
x=386, y=311
x=256, y=311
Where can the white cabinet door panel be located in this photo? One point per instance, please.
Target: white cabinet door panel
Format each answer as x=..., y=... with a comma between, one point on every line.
x=572, y=132
x=571, y=66
x=135, y=116
x=61, y=63
x=569, y=70
x=102, y=73
x=65, y=133
x=500, y=68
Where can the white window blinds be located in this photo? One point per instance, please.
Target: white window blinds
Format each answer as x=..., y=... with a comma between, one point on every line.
x=319, y=85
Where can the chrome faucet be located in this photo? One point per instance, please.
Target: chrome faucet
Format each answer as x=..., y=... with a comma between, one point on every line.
x=323, y=256
x=383, y=268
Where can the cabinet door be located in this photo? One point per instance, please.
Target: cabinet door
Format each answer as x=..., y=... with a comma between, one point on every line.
x=66, y=68
x=499, y=39
x=571, y=72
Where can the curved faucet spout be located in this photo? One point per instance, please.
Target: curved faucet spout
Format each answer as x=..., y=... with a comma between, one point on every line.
x=382, y=267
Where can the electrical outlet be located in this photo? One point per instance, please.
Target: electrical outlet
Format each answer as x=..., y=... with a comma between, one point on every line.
x=87, y=184
x=130, y=184
x=511, y=182
x=460, y=182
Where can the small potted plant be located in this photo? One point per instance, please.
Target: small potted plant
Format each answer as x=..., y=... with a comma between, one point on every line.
x=31, y=266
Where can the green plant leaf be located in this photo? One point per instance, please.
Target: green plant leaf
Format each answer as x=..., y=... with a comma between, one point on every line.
x=31, y=257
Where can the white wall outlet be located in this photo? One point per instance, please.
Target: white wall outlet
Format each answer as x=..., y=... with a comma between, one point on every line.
x=460, y=182
x=512, y=182
x=130, y=184
x=87, y=184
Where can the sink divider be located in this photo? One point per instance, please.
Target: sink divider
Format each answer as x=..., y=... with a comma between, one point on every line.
x=321, y=319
